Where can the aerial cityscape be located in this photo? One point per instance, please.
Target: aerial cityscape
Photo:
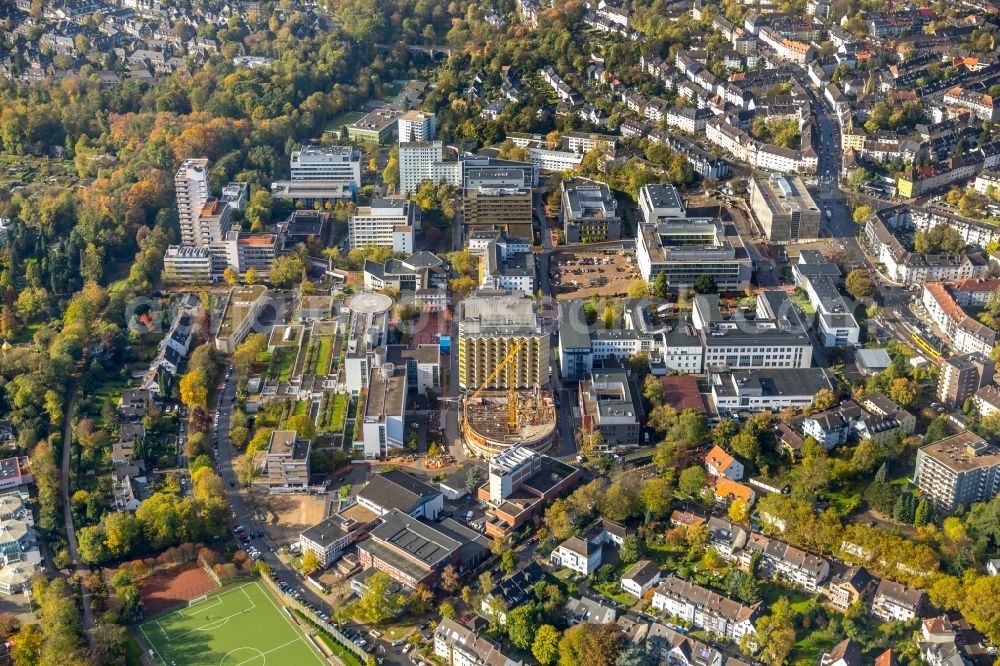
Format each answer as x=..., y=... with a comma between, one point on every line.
x=506, y=333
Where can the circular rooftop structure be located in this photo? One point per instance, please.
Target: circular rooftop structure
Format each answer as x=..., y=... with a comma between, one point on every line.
x=485, y=423
x=10, y=505
x=369, y=302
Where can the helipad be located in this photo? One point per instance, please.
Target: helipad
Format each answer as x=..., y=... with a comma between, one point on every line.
x=370, y=302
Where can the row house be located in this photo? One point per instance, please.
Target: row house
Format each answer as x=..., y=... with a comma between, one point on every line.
x=966, y=334
x=787, y=562
x=704, y=609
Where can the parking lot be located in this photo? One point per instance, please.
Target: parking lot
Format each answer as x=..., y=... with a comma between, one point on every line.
x=583, y=274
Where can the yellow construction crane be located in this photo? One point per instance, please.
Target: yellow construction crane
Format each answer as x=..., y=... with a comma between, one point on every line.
x=511, y=390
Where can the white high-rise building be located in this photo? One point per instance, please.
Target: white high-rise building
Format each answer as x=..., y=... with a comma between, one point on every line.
x=417, y=126
x=191, y=184
x=385, y=224
x=332, y=163
x=423, y=160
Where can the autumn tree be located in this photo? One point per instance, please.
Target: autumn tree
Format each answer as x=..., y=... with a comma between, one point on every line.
x=588, y=644
x=545, y=647
x=859, y=284
x=194, y=389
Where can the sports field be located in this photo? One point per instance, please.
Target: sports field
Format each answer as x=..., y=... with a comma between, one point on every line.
x=237, y=626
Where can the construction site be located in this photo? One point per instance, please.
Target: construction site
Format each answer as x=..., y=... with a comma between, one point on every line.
x=492, y=426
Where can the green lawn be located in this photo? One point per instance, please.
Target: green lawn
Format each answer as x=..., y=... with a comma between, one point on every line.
x=613, y=591
x=339, y=412
x=812, y=647
x=240, y=625
x=285, y=363
x=345, y=119
x=323, y=355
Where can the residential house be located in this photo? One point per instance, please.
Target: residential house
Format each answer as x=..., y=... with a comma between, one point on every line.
x=848, y=585
x=720, y=463
x=580, y=555
x=844, y=653
x=585, y=609
x=457, y=645
x=640, y=577
x=895, y=601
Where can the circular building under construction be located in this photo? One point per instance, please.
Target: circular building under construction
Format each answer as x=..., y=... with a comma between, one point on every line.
x=491, y=426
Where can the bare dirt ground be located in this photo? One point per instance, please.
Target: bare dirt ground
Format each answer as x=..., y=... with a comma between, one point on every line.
x=582, y=274
x=174, y=587
x=288, y=515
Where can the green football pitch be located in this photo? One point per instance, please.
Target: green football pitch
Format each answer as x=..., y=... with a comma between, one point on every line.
x=237, y=626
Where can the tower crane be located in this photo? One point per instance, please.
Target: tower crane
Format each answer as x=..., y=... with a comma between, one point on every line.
x=511, y=390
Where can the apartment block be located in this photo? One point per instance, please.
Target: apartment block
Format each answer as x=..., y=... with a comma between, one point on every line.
x=703, y=608
x=792, y=564
x=962, y=376
x=285, y=464
x=191, y=185
x=958, y=470
x=457, y=645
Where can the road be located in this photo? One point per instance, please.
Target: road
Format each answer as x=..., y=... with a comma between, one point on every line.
x=89, y=621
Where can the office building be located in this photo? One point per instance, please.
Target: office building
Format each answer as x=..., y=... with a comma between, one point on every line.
x=962, y=376
x=958, y=470
x=589, y=211
x=366, y=337
x=660, y=201
x=386, y=224
x=327, y=540
x=340, y=164
x=379, y=126
x=414, y=551
x=186, y=264
x=421, y=270
x=766, y=390
x=610, y=404
x=417, y=126
x=507, y=266
x=520, y=483
x=383, y=425
x=191, y=185
x=509, y=209
x=580, y=345
x=309, y=193
x=491, y=326
x=784, y=209
x=837, y=326
x=773, y=336
x=285, y=464
x=685, y=249
x=487, y=172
